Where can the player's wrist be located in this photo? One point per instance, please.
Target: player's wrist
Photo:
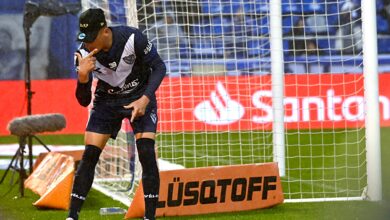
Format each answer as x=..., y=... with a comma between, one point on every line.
x=145, y=98
x=82, y=75
x=83, y=78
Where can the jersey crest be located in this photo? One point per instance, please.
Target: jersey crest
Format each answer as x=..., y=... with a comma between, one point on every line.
x=129, y=59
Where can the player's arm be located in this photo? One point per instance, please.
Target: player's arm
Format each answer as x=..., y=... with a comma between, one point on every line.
x=85, y=65
x=156, y=77
x=83, y=92
x=148, y=52
x=152, y=59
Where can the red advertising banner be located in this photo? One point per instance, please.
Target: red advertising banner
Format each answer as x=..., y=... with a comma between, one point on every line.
x=50, y=96
x=245, y=103
x=218, y=103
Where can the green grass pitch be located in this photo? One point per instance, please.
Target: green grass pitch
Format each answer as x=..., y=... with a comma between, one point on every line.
x=311, y=173
x=315, y=166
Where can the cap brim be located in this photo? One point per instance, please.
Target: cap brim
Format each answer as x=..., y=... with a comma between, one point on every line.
x=87, y=37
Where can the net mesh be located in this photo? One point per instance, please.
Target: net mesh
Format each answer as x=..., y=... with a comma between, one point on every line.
x=215, y=105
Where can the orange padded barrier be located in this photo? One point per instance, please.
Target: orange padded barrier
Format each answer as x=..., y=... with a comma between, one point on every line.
x=52, y=180
x=76, y=154
x=214, y=189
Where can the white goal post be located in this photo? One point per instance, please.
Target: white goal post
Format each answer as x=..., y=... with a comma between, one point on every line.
x=291, y=81
x=370, y=59
x=370, y=70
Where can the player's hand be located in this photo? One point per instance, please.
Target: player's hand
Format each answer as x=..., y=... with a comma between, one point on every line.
x=138, y=107
x=86, y=65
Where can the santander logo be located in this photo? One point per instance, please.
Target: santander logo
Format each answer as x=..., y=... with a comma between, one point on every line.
x=220, y=109
x=235, y=103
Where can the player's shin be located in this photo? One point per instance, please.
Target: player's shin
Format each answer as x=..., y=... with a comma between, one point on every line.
x=150, y=175
x=83, y=179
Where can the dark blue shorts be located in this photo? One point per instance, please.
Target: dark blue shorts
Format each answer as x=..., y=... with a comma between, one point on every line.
x=106, y=117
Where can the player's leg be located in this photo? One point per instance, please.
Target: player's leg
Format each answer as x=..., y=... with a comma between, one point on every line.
x=94, y=144
x=104, y=122
x=150, y=175
x=145, y=131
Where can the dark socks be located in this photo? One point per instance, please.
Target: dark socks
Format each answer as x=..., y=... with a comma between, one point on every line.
x=83, y=179
x=150, y=175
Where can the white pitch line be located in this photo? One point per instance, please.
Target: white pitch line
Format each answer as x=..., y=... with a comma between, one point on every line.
x=10, y=149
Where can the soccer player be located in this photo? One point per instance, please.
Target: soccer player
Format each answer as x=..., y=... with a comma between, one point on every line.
x=129, y=71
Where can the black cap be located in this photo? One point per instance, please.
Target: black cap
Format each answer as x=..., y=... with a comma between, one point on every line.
x=90, y=23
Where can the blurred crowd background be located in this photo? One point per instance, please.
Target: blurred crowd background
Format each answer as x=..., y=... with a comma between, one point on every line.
x=232, y=33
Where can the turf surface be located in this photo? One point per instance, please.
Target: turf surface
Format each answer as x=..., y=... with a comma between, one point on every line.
x=13, y=207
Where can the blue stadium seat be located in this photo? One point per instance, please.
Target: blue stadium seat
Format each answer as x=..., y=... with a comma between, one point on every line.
x=185, y=51
x=379, y=5
x=218, y=45
x=257, y=26
x=244, y=66
x=333, y=23
x=384, y=45
x=118, y=13
x=286, y=47
x=221, y=25
x=207, y=47
x=211, y=6
x=333, y=13
x=333, y=8
x=231, y=6
x=258, y=7
x=202, y=48
x=382, y=25
x=216, y=25
x=291, y=7
x=289, y=22
x=203, y=28
x=325, y=45
x=258, y=47
x=316, y=24
x=313, y=6
x=197, y=29
x=11, y=6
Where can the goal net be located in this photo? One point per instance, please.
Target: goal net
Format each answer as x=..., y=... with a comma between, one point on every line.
x=259, y=81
